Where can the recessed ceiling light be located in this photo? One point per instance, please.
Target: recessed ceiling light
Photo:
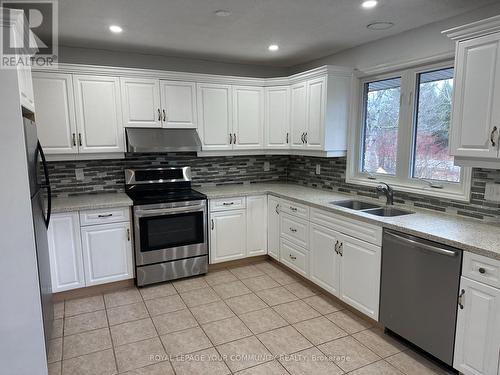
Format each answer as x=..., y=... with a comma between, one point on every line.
x=380, y=25
x=115, y=29
x=368, y=4
x=222, y=13
x=273, y=47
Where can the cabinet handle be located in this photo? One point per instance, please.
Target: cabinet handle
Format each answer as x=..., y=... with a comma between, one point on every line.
x=80, y=138
x=293, y=230
x=460, y=299
x=287, y=138
x=294, y=209
x=341, y=249
x=128, y=234
x=227, y=204
x=234, y=139
x=159, y=114
x=482, y=270
x=74, y=139
x=302, y=137
x=277, y=208
x=492, y=136
x=292, y=257
x=336, y=246
x=105, y=215
x=164, y=115
x=305, y=137
x=212, y=224
x=230, y=138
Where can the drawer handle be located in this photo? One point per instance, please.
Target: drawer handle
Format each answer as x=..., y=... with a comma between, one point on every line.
x=105, y=215
x=460, y=299
x=292, y=257
x=228, y=204
x=294, y=209
x=293, y=230
x=481, y=270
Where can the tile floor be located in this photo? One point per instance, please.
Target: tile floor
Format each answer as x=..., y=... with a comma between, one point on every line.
x=249, y=320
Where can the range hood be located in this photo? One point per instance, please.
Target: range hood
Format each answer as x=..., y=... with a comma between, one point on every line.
x=143, y=140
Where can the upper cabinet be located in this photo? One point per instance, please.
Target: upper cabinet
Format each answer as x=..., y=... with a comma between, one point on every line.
x=475, y=124
x=178, y=102
x=277, y=117
x=248, y=117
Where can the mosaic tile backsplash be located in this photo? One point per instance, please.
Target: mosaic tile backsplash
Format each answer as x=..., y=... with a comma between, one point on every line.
x=107, y=176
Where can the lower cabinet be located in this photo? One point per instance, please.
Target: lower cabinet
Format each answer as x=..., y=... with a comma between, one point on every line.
x=227, y=235
x=256, y=225
x=273, y=227
x=294, y=256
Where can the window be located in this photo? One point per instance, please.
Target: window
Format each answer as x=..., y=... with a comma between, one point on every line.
x=402, y=136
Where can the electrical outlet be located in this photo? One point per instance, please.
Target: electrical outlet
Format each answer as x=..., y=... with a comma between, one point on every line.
x=79, y=174
x=492, y=192
x=267, y=166
x=318, y=168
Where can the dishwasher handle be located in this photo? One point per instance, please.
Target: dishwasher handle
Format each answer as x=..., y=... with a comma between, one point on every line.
x=434, y=249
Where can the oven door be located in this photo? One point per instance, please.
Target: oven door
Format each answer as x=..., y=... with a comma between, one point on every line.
x=172, y=231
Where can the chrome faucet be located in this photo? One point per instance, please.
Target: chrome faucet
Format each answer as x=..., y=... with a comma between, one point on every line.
x=387, y=191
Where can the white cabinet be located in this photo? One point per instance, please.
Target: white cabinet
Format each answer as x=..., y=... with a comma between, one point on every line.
x=98, y=114
x=316, y=104
x=477, y=343
x=273, y=227
x=65, y=252
x=178, y=103
x=141, y=105
x=298, y=118
x=55, y=114
x=295, y=257
x=107, y=253
x=256, y=225
x=215, y=116
x=227, y=235
x=248, y=117
x=26, y=94
x=277, y=117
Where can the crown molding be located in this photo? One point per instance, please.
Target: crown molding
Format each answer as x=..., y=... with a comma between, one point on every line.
x=474, y=29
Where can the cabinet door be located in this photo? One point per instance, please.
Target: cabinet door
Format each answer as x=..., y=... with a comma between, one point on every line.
x=273, y=227
x=256, y=225
x=316, y=101
x=55, y=113
x=248, y=115
x=324, y=259
x=477, y=342
x=227, y=235
x=360, y=275
x=98, y=114
x=477, y=92
x=65, y=252
x=26, y=87
x=298, y=119
x=107, y=253
x=215, y=118
x=294, y=257
x=141, y=102
x=178, y=100
x=277, y=117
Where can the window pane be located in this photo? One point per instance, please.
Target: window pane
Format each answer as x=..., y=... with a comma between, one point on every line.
x=431, y=159
x=380, y=138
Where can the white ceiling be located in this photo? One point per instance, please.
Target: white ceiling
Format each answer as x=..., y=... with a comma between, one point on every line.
x=304, y=29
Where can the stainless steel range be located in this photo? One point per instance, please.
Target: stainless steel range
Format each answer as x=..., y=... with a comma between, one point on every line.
x=170, y=224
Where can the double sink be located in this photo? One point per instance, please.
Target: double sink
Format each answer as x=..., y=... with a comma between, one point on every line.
x=372, y=209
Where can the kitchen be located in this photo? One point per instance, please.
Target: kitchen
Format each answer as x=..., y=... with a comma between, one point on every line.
x=254, y=206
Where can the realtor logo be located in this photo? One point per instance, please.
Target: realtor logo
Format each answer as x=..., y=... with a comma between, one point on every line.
x=31, y=40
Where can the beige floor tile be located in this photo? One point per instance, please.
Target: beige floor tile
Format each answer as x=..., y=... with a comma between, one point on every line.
x=296, y=311
x=204, y=362
x=245, y=272
x=245, y=303
x=174, y=321
x=260, y=283
x=226, y=330
x=349, y=322
x=192, y=283
x=382, y=344
x=159, y=290
x=284, y=340
x=55, y=350
x=122, y=297
x=323, y=304
x=283, y=277
x=348, y=354
x=218, y=277
x=199, y=297
x=263, y=320
x=276, y=296
x=59, y=310
x=86, y=342
x=411, y=363
x=267, y=266
x=269, y=368
x=162, y=368
x=309, y=361
x=136, y=330
x=57, y=328
x=127, y=313
x=85, y=322
x=301, y=289
x=99, y=363
x=54, y=368
x=377, y=368
x=83, y=305
x=232, y=289
x=187, y=341
x=211, y=312
x=244, y=353
x=319, y=330
x=164, y=305
x=139, y=354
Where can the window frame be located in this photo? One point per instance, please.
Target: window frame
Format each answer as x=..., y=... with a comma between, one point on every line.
x=402, y=180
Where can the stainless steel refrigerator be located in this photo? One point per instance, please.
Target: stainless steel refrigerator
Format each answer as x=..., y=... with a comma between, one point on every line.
x=41, y=208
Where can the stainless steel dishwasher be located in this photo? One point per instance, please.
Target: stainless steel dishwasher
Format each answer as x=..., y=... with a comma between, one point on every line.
x=419, y=292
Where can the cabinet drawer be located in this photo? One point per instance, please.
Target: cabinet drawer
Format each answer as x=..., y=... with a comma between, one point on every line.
x=294, y=257
x=223, y=204
x=295, y=230
x=104, y=216
x=295, y=209
x=352, y=227
x=480, y=268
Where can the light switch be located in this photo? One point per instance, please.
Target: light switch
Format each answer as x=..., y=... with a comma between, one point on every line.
x=492, y=192
x=267, y=166
x=79, y=174
x=318, y=168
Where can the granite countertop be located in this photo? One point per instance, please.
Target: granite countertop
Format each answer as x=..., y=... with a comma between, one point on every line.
x=466, y=234
x=90, y=202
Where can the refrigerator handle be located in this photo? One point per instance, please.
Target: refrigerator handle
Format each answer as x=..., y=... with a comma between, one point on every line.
x=47, y=184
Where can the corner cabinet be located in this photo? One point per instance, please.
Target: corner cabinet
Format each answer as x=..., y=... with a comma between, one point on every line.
x=273, y=227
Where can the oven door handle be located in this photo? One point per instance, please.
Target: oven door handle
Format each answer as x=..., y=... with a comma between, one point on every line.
x=169, y=211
